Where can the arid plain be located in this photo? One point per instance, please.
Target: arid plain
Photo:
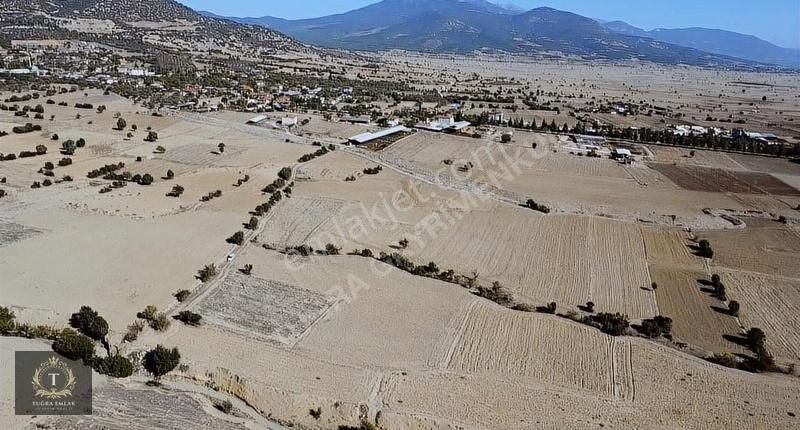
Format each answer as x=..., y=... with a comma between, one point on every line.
x=361, y=339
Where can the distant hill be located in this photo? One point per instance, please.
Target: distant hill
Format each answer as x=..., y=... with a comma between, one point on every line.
x=720, y=42
x=125, y=23
x=463, y=26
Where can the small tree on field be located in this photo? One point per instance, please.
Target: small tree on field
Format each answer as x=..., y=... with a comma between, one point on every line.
x=403, y=243
x=704, y=249
x=68, y=147
x=91, y=324
x=756, y=338
x=182, y=295
x=207, y=273
x=733, y=308
x=590, y=307
x=237, y=238
x=248, y=269
x=332, y=249
x=147, y=179
x=7, y=320
x=189, y=318
x=170, y=174
x=121, y=124
x=253, y=223
x=285, y=173
x=161, y=360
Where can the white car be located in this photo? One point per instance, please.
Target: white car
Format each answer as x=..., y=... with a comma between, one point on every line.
x=231, y=257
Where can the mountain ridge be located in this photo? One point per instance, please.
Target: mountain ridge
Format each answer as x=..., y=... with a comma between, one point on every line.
x=417, y=25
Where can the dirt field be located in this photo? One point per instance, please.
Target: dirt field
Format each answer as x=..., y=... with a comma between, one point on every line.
x=698, y=319
x=249, y=305
x=723, y=181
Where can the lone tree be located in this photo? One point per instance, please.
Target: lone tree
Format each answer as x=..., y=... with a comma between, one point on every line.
x=147, y=179
x=733, y=308
x=403, y=243
x=170, y=174
x=590, y=307
x=161, y=360
x=121, y=124
x=248, y=269
x=221, y=147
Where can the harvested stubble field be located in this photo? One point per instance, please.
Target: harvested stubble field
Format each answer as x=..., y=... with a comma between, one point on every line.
x=698, y=319
x=497, y=340
x=771, y=303
x=250, y=305
x=293, y=221
x=769, y=249
x=669, y=248
x=527, y=253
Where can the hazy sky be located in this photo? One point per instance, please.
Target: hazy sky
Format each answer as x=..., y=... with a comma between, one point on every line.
x=777, y=21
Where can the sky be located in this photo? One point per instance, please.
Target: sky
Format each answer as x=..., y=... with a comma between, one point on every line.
x=777, y=21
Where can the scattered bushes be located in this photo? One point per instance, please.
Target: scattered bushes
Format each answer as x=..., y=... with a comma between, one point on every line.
x=655, y=327
x=84, y=106
x=308, y=157
x=497, y=293
x=530, y=204
x=613, y=324
x=549, y=308
x=158, y=321
x=373, y=170
x=210, y=196
x=226, y=406
x=177, y=191
x=27, y=128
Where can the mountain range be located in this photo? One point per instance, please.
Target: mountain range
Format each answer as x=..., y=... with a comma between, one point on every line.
x=463, y=26
x=721, y=42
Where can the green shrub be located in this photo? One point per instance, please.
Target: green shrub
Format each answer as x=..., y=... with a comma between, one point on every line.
x=189, y=318
x=74, y=346
x=160, y=360
x=182, y=295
